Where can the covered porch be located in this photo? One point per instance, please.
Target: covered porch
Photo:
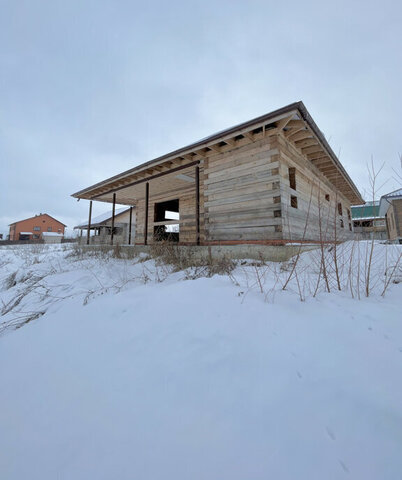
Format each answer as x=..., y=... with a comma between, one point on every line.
x=168, y=201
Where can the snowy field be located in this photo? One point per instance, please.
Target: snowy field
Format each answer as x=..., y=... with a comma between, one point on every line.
x=128, y=369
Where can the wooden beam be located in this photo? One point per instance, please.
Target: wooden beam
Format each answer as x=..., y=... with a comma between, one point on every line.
x=296, y=124
x=201, y=153
x=320, y=160
x=323, y=171
x=314, y=149
x=230, y=141
x=248, y=135
x=89, y=221
x=317, y=156
x=299, y=135
x=151, y=177
x=307, y=142
x=282, y=123
x=288, y=134
x=113, y=213
x=215, y=148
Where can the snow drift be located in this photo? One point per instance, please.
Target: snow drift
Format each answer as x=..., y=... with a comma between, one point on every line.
x=124, y=369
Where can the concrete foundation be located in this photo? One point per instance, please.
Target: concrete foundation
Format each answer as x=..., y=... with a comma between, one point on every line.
x=273, y=253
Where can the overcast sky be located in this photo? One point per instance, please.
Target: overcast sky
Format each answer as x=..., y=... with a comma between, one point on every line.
x=91, y=88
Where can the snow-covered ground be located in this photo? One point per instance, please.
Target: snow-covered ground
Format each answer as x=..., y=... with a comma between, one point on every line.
x=126, y=369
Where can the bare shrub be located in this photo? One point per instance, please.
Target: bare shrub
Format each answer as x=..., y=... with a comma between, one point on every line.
x=182, y=258
x=10, y=281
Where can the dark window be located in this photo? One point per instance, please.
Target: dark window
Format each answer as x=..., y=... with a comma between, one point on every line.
x=292, y=178
x=340, y=208
x=327, y=197
x=167, y=212
x=162, y=208
x=293, y=201
x=49, y=229
x=35, y=236
x=36, y=229
x=277, y=213
x=350, y=226
x=342, y=225
x=348, y=214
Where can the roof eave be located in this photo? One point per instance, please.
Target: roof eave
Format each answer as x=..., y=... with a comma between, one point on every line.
x=296, y=107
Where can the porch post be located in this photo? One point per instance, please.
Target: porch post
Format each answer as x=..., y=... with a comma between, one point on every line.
x=113, y=212
x=89, y=221
x=197, y=204
x=129, y=226
x=146, y=214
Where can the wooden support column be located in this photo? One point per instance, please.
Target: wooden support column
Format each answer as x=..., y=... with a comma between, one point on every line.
x=130, y=225
x=146, y=213
x=89, y=221
x=113, y=212
x=197, y=204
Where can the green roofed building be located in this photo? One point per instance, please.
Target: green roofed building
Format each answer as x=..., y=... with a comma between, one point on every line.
x=367, y=221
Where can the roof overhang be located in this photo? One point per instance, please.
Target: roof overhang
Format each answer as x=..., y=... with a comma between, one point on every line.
x=294, y=121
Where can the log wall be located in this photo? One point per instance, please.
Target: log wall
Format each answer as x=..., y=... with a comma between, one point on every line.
x=245, y=196
x=242, y=193
x=312, y=192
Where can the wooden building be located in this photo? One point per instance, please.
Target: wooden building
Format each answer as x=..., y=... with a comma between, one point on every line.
x=33, y=228
x=391, y=209
x=367, y=222
x=270, y=180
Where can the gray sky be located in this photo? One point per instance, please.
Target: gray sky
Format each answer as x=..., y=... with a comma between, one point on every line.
x=91, y=88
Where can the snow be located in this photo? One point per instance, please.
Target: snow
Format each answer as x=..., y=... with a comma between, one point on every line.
x=103, y=217
x=25, y=233
x=137, y=371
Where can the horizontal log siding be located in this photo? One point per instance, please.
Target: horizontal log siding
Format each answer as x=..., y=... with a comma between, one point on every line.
x=312, y=185
x=241, y=193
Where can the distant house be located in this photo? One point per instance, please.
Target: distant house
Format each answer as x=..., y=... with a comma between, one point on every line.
x=367, y=221
x=101, y=227
x=33, y=228
x=391, y=209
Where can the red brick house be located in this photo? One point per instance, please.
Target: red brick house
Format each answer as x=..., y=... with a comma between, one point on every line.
x=33, y=228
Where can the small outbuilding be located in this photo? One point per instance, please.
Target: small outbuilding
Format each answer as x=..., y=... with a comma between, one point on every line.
x=367, y=222
x=52, y=237
x=106, y=228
